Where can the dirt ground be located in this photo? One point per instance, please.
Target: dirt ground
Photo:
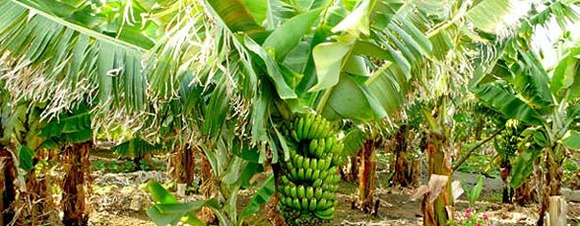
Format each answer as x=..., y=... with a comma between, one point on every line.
x=119, y=199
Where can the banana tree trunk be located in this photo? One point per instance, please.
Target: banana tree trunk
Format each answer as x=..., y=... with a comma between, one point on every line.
x=403, y=175
x=7, y=189
x=441, y=210
x=351, y=173
x=76, y=165
x=505, y=170
x=37, y=191
x=274, y=215
x=208, y=190
x=186, y=166
x=552, y=200
x=525, y=193
x=366, y=189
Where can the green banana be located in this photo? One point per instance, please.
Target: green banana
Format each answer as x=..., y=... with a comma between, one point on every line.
x=314, y=129
x=299, y=161
x=284, y=179
x=323, y=175
x=309, y=192
x=306, y=163
x=301, y=192
x=332, y=179
x=294, y=175
x=308, y=174
x=304, y=204
x=313, y=146
x=294, y=192
x=296, y=204
x=321, y=163
x=306, y=128
x=312, y=205
x=330, y=141
x=318, y=193
x=322, y=203
x=327, y=214
x=315, y=174
x=301, y=174
x=328, y=164
x=294, y=135
x=320, y=148
x=287, y=201
x=314, y=163
x=299, y=128
x=317, y=183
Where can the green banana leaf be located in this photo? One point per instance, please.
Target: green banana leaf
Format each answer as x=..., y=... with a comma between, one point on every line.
x=288, y=35
x=523, y=166
x=261, y=197
x=571, y=139
x=168, y=210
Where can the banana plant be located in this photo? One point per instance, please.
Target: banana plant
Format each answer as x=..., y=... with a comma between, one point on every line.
x=519, y=87
x=72, y=132
x=137, y=148
x=8, y=174
x=289, y=66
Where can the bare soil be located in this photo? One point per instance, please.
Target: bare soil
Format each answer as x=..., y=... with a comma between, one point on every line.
x=119, y=199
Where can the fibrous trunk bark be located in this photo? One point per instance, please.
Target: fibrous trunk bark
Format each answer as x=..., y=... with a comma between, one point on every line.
x=505, y=170
x=185, y=170
x=274, y=215
x=7, y=189
x=208, y=190
x=403, y=173
x=76, y=165
x=551, y=193
x=440, y=211
x=350, y=172
x=525, y=193
x=368, y=165
x=38, y=191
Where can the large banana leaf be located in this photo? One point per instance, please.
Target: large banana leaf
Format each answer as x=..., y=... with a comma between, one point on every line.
x=260, y=198
x=236, y=16
x=487, y=14
x=136, y=147
x=168, y=210
x=523, y=166
x=285, y=38
x=69, y=54
x=567, y=75
x=572, y=139
x=533, y=83
x=351, y=100
x=505, y=102
x=272, y=68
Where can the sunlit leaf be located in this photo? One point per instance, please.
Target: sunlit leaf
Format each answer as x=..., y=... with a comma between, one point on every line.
x=283, y=89
x=572, y=139
x=328, y=58
x=351, y=100
x=288, y=35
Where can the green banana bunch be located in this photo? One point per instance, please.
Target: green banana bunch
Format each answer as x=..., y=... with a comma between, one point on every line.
x=308, y=184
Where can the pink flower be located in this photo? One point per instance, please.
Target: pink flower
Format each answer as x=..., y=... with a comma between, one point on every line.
x=467, y=213
x=485, y=217
x=478, y=224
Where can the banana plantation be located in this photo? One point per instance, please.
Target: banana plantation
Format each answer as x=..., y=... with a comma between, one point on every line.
x=290, y=112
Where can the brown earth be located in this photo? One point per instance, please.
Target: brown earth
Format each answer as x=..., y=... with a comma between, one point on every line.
x=124, y=202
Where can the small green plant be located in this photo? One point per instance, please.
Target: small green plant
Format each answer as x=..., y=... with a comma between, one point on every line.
x=472, y=219
x=473, y=193
x=112, y=166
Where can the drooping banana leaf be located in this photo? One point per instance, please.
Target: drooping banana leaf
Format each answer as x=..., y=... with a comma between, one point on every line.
x=72, y=55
